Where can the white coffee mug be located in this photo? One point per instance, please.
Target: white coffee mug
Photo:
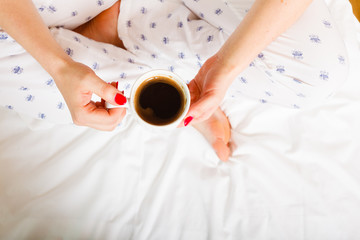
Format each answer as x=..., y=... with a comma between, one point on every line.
x=152, y=76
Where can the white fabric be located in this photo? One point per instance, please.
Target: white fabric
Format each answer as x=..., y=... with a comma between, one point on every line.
x=292, y=175
x=57, y=14
x=304, y=65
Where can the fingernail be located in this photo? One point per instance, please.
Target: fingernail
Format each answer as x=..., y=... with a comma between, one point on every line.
x=117, y=85
x=120, y=99
x=188, y=120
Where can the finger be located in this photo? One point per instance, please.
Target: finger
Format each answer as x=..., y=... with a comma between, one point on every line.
x=99, y=118
x=201, y=110
x=104, y=116
x=111, y=125
x=107, y=91
x=100, y=104
x=194, y=91
x=115, y=84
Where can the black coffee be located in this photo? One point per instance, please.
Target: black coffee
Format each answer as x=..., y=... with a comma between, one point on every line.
x=159, y=100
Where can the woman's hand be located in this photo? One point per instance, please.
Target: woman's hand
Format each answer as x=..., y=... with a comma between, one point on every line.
x=208, y=89
x=252, y=35
x=77, y=83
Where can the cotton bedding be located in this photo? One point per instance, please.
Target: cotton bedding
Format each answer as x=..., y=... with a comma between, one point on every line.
x=293, y=174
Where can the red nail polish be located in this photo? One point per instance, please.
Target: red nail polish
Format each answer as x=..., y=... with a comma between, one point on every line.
x=117, y=85
x=120, y=99
x=188, y=120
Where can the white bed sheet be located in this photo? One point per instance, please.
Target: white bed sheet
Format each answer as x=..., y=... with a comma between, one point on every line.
x=293, y=174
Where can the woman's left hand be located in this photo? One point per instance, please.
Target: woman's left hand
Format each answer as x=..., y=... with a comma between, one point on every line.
x=207, y=90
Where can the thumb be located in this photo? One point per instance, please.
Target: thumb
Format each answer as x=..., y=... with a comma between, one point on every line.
x=201, y=110
x=107, y=92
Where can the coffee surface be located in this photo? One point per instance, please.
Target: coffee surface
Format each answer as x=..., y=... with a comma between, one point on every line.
x=159, y=101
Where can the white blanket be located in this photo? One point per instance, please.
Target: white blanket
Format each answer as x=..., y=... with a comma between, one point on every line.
x=292, y=175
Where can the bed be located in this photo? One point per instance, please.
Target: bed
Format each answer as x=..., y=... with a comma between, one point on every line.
x=293, y=174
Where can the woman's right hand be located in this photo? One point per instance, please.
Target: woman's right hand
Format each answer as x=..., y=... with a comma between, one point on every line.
x=77, y=83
